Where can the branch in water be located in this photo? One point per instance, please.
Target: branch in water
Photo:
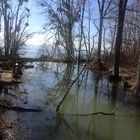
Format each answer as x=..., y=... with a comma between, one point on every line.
x=19, y=109
x=57, y=109
x=95, y=113
x=61, y=102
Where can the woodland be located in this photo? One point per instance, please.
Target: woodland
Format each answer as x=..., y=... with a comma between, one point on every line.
x=102, y=36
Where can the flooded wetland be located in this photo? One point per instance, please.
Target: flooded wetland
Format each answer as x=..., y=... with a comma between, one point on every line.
x=44, y=87
x=69, y=69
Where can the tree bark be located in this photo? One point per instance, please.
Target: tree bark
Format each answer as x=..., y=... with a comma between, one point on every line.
x=118, y=42
x=101, y=6
x=100, y=37
x=137, y=92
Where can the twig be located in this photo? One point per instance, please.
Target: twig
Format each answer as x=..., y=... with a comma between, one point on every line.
x=8, y=133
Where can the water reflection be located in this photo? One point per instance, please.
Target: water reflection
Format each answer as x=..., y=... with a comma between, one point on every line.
x=47, y=84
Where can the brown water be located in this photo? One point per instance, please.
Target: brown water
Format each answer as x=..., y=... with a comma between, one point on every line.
x=44, y=87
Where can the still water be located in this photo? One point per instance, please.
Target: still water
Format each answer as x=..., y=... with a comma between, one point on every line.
x=44, y=87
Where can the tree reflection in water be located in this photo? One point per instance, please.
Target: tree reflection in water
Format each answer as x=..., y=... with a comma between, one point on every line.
x=47, y=85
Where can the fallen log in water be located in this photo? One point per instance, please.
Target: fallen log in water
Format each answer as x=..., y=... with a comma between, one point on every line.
x=9, y=82
x=28, y=66
x=19, y=109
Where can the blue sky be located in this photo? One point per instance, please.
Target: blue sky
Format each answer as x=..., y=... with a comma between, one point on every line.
x=36, y=19
x=36, y=22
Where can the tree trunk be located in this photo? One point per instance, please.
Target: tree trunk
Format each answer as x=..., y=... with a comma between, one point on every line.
x=101, y=6
x=70, y=27
x=81, y=31
x=6, y=29
x=118, y=43
x=100, y=37
x=137, y=92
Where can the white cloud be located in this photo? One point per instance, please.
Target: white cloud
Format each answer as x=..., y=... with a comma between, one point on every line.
x=37, y=39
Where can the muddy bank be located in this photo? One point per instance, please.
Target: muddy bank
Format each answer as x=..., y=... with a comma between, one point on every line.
x=127, y=75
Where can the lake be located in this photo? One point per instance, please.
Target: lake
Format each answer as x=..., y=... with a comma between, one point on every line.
x=44, y=87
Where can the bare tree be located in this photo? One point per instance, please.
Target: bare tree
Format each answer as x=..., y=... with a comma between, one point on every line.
x=15, y=20
x=62, y=16
x=118, y=42
x=103, y=11
x=81, y=28
x=130, y=48
x=138, y=46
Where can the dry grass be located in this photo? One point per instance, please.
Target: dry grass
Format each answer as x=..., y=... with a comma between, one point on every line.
x=128, y=76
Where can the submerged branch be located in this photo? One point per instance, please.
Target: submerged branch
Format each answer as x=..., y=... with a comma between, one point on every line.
x=95, y=113
x=61, y=102
x=57, y=109
x=19, y=109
